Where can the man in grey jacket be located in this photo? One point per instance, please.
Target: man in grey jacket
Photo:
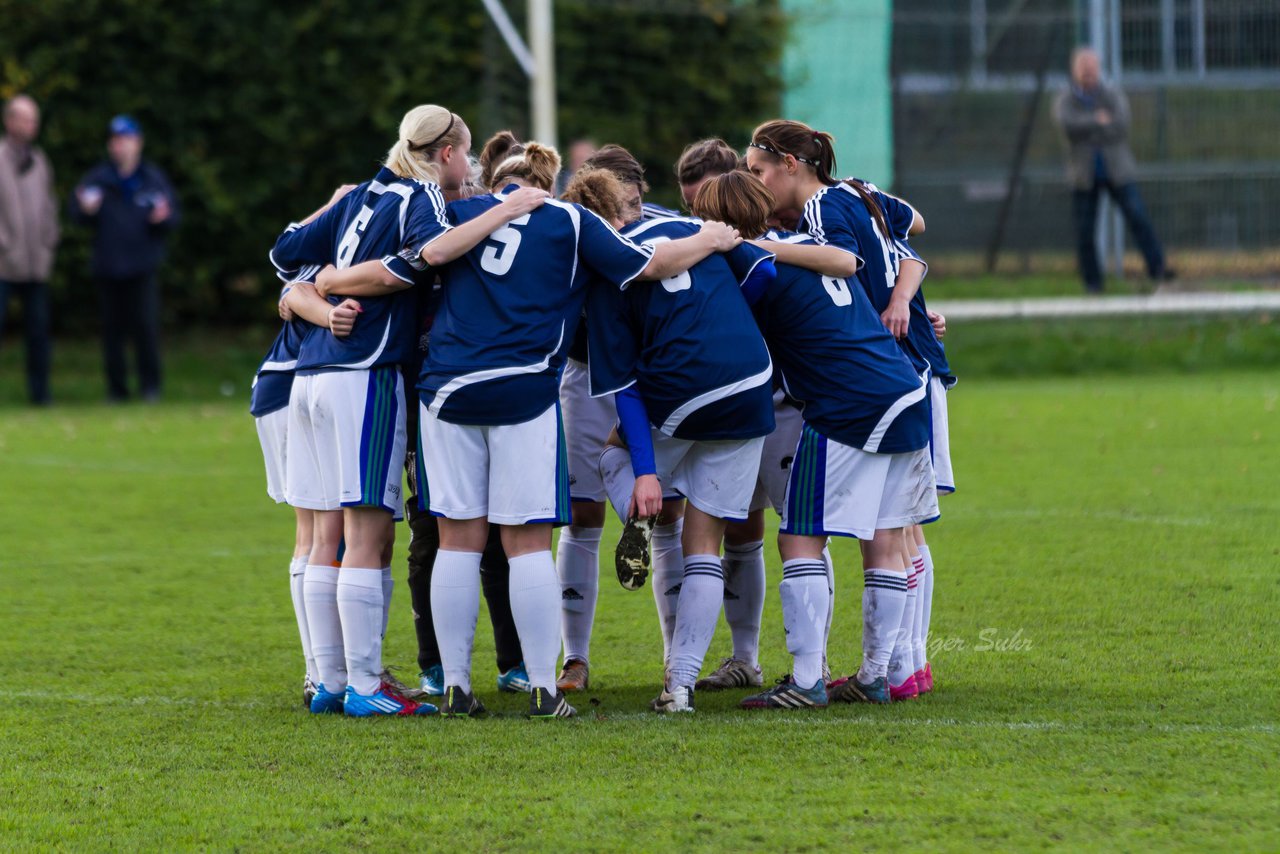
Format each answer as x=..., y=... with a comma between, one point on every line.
x=28, y=235
x=1094, y=118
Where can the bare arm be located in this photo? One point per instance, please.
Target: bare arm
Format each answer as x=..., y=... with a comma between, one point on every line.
x=302, y=301
x=676, y=256
x=461, y=239
x=366, y=279
x=897, y=316
x=826, y=260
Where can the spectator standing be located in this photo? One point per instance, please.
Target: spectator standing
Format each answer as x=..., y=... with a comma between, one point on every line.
x=130, y=205
x=28, y=235
x=1094, y=118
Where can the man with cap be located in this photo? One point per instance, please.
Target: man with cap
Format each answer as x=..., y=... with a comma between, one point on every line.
x=130, y=205
x=28, y=235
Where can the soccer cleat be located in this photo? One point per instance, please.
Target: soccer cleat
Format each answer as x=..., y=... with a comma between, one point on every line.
x=853, y=691
x=515, y=680
x=908, y=690
x=325, y=702
x=389, y=678
x=543, y=705
x=826, y=671
x=926, y=684
x=677, y=699
x=788, y=695
x=732, y=673
x=308, y=691
x=631, y=558
x=387, y=701
x=574, y=676
x=460, y=704
x=431, y=681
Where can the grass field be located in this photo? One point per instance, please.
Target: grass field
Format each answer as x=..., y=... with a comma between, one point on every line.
x=1104, y=639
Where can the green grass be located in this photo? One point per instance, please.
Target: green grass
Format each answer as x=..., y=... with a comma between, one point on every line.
x=1115, y=532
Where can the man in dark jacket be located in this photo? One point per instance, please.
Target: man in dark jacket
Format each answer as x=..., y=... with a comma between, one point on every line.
x=1094, y=118
x=131, y=207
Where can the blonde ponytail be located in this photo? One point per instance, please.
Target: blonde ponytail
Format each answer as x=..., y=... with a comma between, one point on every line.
x=538, y=165
x=424, y=131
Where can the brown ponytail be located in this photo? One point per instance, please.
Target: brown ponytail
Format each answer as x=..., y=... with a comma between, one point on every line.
x=869, y=199
x=811, y=147
x=535, y=163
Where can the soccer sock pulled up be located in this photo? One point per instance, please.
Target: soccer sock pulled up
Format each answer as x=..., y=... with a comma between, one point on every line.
x=744, y=598
x=535, y=605
x=884, y=596
x=388, y=587
x=805, y=602
x=324, y=625
x=917, y=624
x=668, y=576
x=619, y=482
x=926, y=601
x=455, y=606
x=359, y=598
x=701, y=593
x=830, y=566
x=297, y=592
x=902, y=663
x=578, y=566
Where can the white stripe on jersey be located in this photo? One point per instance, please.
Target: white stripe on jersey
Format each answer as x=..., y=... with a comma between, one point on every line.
x=366, y=363
x=576, y=219
x=686, y=409
x=904, y=250
x=813, y=216
x=442, y=394
x=644, y=225
x=872, y=445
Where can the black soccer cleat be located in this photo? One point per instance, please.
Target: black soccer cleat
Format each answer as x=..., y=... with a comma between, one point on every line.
x=544, y=705
x=457, y=703
x=631, y=558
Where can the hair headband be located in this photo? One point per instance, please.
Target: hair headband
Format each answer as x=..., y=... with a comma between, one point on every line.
x=778, y=153
x=427, y=145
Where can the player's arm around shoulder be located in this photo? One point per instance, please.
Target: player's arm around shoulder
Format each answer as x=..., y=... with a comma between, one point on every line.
x=456, y=241
x=676, y=256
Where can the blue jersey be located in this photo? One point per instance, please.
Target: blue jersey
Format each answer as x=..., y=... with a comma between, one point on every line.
x=273, y=383
x=390, y=218
x=650, y=210
x=688, y=343
x=837, y=358
x=510, y=307
x=920, y=333
x=837, y=216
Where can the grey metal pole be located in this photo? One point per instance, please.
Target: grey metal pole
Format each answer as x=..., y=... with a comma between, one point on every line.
x=542, y=85
x=1115, y=69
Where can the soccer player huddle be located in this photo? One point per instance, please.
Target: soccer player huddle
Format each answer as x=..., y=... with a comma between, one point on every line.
x=530, y=361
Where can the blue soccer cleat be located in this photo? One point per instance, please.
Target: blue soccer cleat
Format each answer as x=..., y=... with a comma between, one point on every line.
x=387, y=701
x=515, y=680
x=326, y=702
x=432, y=681
x=852, y=691
x=788, y=695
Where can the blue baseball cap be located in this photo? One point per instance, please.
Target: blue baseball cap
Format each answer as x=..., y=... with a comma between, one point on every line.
x=123, y=125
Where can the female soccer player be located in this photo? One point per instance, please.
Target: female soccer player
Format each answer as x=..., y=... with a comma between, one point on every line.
x=492, y=443
x=796, y=163
x=346, y=423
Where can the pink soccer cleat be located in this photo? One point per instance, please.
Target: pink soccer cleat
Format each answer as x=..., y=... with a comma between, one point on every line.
x=908, y=690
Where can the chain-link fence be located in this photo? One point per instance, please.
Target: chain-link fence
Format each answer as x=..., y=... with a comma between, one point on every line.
x=977, y=149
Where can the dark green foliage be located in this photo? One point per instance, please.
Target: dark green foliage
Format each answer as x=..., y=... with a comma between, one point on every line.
x=257, y=109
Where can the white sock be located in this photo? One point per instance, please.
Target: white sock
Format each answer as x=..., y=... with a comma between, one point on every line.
x=744, y=598
x=455, y=606
x=360, y=605
x=320, y=591
x=535, y=605
x=884, y=595
x=830, y=566
x=578, y=566
x=297, y=580
x=668, y=575
x=388, y=587
x=926, y=602
x=917, y=624
x=902, y=663
x=701, y=593
x=615, y=473
x=805, y=602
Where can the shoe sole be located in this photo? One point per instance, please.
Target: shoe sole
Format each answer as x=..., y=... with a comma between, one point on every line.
x=631, y=558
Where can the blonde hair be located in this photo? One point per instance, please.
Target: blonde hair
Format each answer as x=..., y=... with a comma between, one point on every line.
x=599, y=191
x=538, y=165
x=424, y=131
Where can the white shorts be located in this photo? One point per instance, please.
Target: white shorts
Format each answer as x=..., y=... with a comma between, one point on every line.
x=587, y=423
x=717, y=477
x=347, y=440
x=940, y=444
x=273, y=432
x=775, y=459
x=513, y=474
x=836, y=489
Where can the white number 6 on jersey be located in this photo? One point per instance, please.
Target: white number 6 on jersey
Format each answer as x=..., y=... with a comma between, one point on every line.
x=680, y=281
x=498, y=259
x=838, y=290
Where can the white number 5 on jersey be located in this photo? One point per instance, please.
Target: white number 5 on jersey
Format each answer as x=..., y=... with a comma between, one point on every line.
x=498, y=259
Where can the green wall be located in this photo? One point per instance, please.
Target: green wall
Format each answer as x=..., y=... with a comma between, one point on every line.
x=836, y=72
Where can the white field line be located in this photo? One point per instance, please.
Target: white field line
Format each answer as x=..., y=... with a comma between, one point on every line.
x=604, y=716
x=1243, y=302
